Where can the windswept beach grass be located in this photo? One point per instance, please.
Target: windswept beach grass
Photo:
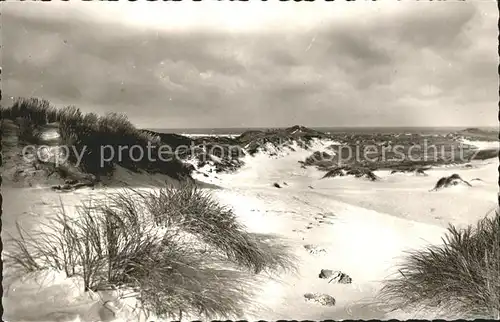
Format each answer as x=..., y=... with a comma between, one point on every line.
x=185, y=254
x=179, y=249
x=461, y=276
x=167, y=162
x=94, y=135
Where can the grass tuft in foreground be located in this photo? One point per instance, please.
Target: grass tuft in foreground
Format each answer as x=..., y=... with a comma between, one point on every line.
x=179, y=249
x=196, y=212
x=461, y=276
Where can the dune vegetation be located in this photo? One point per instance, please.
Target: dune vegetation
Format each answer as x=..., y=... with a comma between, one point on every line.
x=178, y=248
x=88, y=133
x=461, y=276
x=183, y=252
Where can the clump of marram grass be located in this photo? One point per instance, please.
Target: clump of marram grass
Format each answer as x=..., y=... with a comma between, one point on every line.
x=103, y=141
x=29, y=113
x=179, y=249
x=36, y=111
x=461, y=276
x=198, y=213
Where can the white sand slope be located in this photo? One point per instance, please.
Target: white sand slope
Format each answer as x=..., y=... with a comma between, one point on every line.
x=333, y=217
x=482, y=145
x=356, y=226
x=359, y=242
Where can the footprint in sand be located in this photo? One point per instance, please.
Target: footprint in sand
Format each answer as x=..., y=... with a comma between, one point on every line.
x=325, y=218
x=335, y=276
x=315, y=250
x=321, y=219
x=322, y=299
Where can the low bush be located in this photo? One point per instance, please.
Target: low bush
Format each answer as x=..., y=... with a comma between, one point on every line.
x=461, y=276
x=96, y=136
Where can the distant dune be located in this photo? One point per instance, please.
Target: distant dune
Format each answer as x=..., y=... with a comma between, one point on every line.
x=290, y=202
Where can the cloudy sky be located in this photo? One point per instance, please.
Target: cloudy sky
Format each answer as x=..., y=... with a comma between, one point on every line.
x=258, y=64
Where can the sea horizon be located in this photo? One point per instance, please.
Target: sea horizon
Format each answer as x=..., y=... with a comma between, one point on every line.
x=333, y=129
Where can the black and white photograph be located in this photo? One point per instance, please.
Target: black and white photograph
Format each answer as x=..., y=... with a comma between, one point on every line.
x=249, y=160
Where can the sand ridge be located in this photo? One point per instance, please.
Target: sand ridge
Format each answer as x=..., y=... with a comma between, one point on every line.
x=347, y=224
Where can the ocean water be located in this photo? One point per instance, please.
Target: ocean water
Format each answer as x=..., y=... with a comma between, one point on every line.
x=396, y=130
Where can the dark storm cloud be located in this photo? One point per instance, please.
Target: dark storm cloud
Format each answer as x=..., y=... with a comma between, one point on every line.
x=404, y=68
x=439, y=26
x=78, y=61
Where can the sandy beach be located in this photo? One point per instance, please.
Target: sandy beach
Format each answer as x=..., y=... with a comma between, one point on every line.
x=348, y=224
x=249, y=160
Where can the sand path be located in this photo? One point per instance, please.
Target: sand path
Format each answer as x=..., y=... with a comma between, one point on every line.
x=327, y=227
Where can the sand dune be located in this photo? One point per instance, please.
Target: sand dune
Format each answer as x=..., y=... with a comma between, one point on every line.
x=347, y=224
